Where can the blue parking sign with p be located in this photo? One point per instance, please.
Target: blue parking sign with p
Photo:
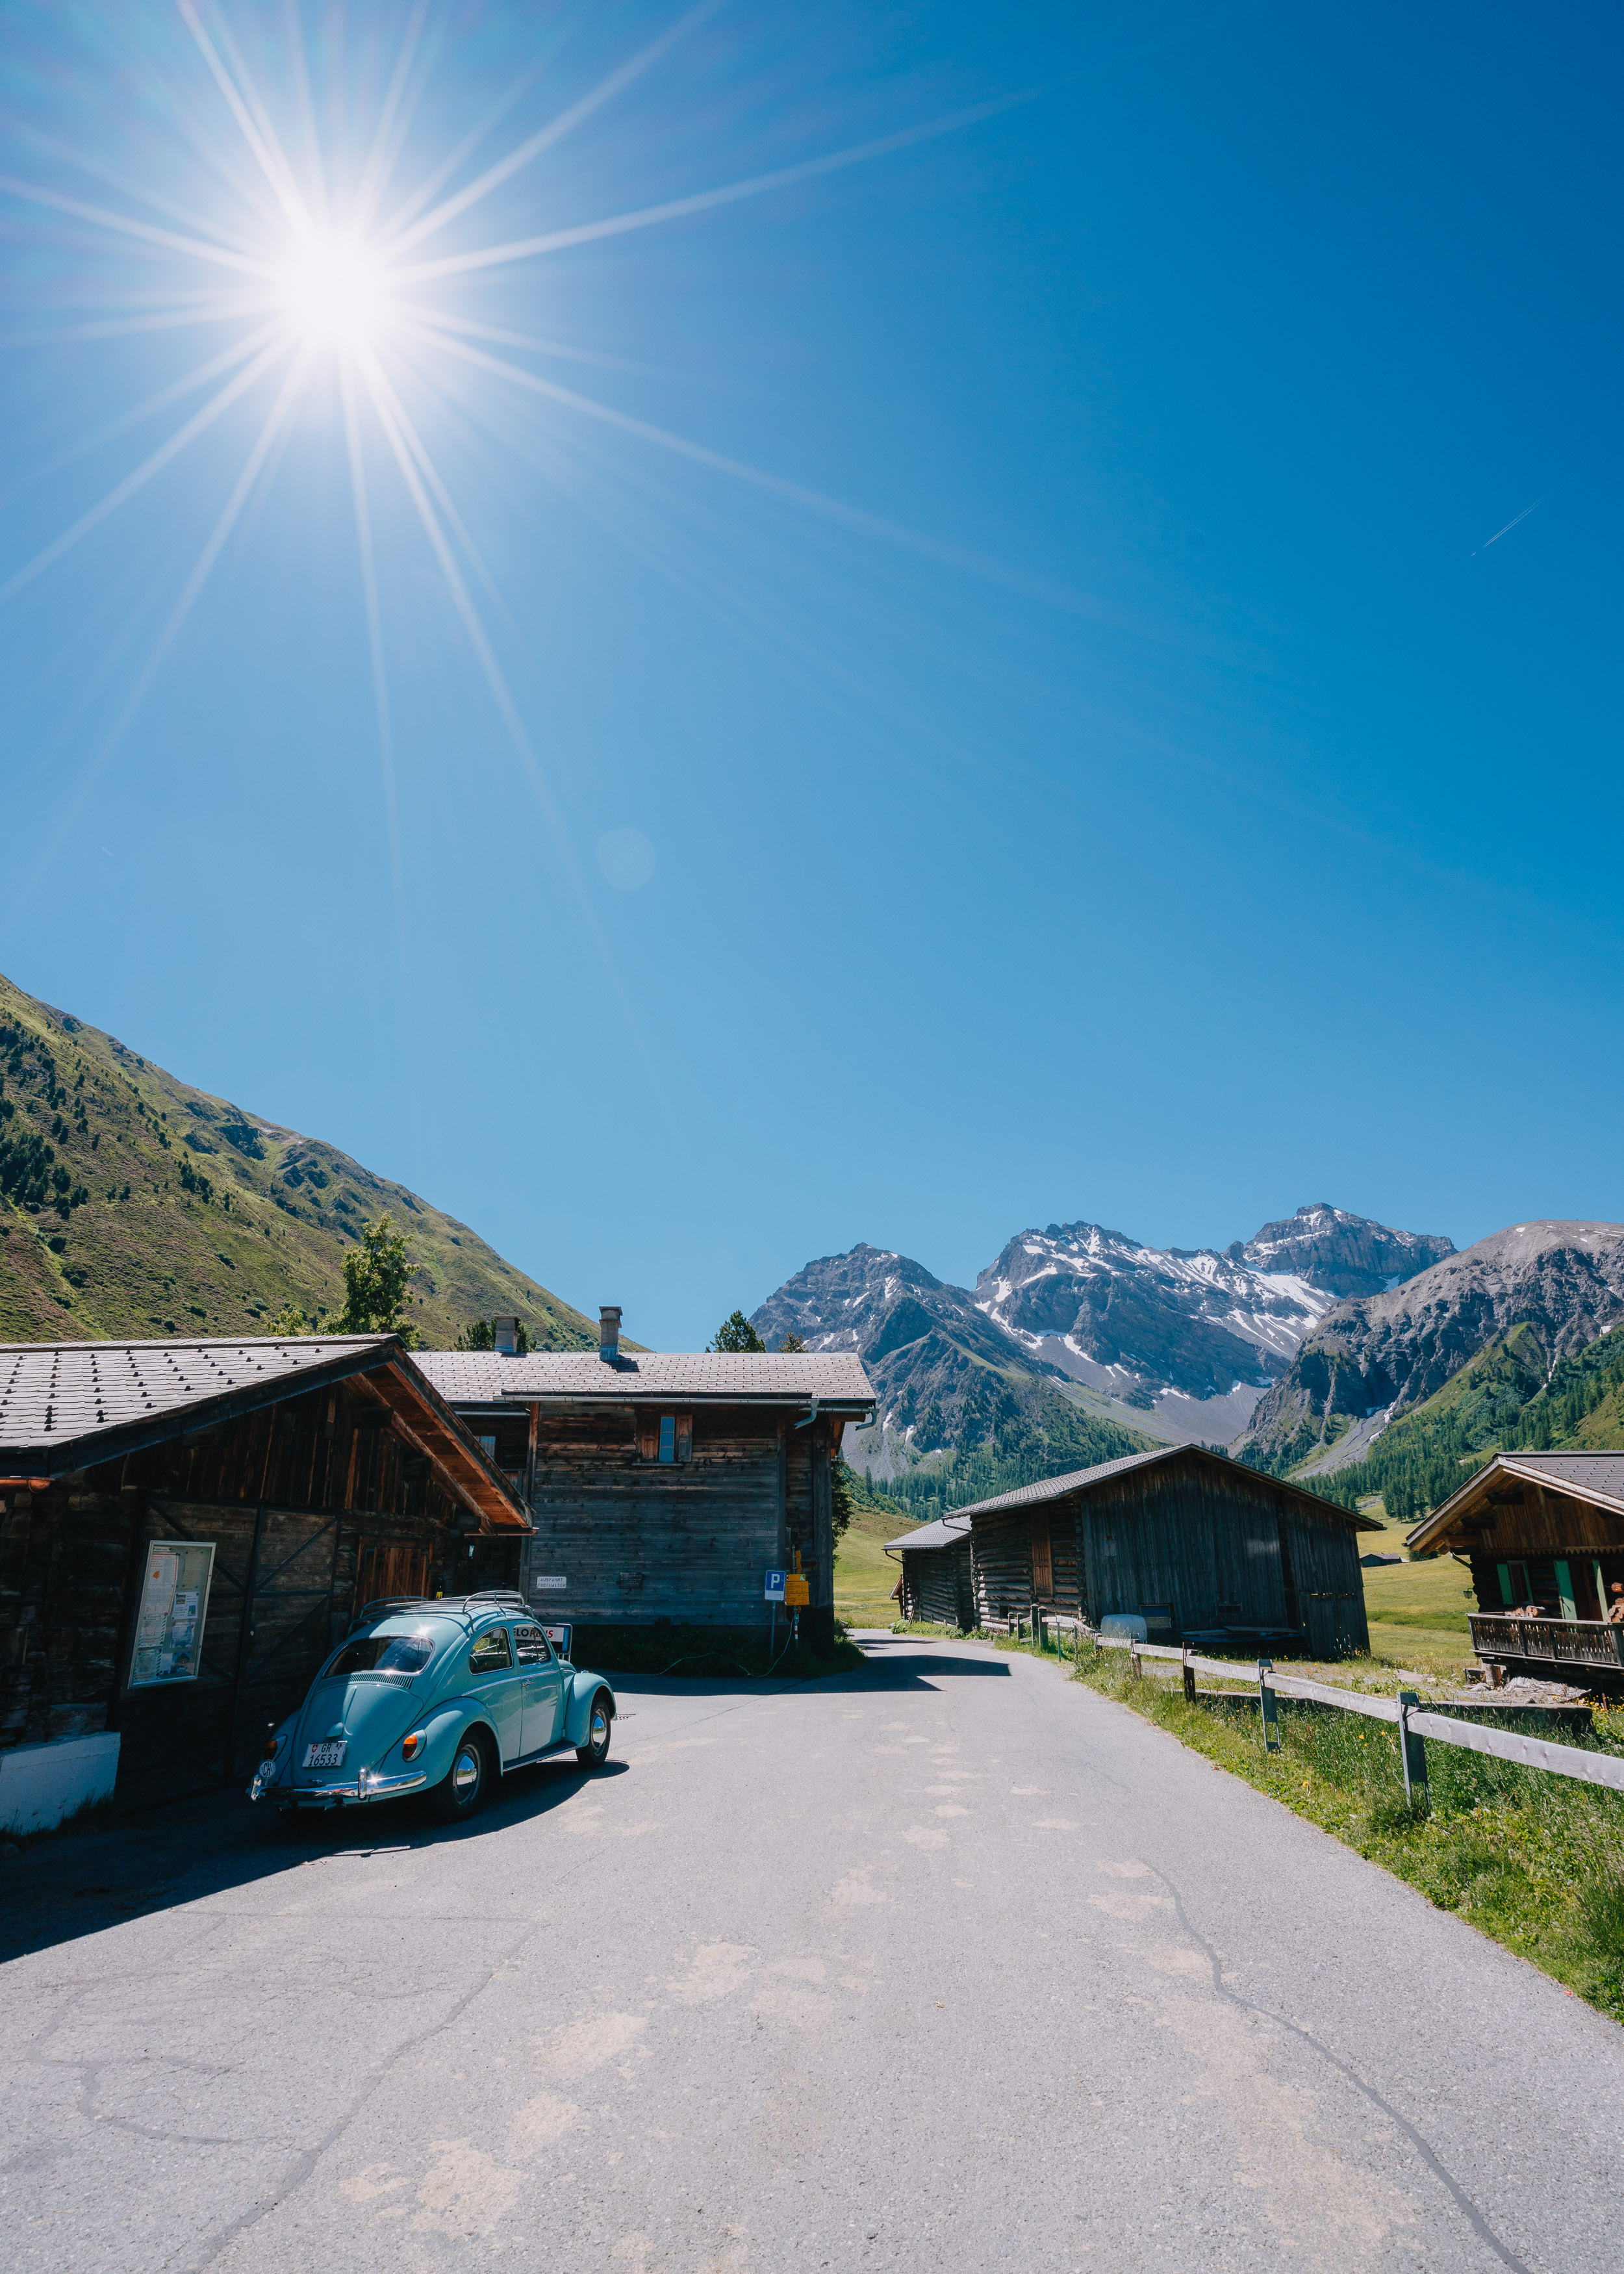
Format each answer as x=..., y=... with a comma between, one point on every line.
x=775, y=1587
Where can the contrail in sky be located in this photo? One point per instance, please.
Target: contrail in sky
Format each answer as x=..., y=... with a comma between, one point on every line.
x=1510, y=525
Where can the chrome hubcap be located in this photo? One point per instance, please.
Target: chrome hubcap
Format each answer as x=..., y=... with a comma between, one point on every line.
x=600, y=1728
x=465, y=1771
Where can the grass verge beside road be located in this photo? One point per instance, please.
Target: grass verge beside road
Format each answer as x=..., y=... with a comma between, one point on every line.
x=1527, y=1859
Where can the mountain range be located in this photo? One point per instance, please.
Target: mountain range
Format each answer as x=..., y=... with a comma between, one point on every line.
x=1546, y=1290
x=1177, y=1344
x=133, y=1205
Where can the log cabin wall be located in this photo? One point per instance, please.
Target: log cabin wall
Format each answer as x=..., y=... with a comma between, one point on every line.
x=638, y=1539
x=1187, y=1545
x=302, y=1502
x=1002, y=1556
x=1525, y=1543
x=1222, y=1546
x=938, y=1584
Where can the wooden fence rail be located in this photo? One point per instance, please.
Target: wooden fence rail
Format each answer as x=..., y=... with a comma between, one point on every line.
x=1415, y=1726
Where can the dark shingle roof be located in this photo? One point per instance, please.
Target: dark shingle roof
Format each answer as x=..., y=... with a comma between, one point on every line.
x=70, y=1405
x=1050, y=1488
x=715, y=1377
x=1598, y=1477
x=946, y=1532
x=52, y=1393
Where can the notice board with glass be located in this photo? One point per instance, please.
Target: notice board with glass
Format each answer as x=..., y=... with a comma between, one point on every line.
x=169, y=1629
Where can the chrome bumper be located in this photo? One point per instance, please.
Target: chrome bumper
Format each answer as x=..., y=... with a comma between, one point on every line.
x=366, y=1787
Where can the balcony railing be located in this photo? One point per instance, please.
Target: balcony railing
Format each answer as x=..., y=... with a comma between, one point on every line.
x=1560, y=1642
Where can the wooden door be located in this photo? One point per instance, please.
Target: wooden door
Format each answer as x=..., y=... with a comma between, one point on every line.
x=1042, y=1561
x=390, y=1567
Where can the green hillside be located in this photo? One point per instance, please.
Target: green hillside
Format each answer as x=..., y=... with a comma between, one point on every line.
x=1501, y=1401
x=1040, y=1433
x=131, y=1205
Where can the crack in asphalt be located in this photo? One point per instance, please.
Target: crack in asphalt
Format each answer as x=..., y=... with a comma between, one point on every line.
x=214, y=2246
x=1417, y=2141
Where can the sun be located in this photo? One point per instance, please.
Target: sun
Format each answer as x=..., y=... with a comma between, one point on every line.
x=332, y=286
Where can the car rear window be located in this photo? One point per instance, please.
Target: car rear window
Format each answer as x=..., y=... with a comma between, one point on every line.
x=384, y=1654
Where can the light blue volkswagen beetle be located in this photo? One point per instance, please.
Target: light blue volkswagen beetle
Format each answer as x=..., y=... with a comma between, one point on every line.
x=441, y=1696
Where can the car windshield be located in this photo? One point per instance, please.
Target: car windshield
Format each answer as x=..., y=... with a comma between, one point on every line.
x=383, y=1653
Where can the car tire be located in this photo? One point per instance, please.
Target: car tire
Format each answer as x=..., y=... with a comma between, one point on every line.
x=595, y=1752
x=460, y=1790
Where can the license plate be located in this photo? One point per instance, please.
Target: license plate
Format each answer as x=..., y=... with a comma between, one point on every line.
x=329, y=1755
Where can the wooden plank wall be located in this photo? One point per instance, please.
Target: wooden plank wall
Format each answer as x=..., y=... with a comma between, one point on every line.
x=70, y=1560
x=1207, y=1539
x=1217, y=1544
x=939, y=1584
x=1544, y=1587
x=1545, y=1524
x=1003, y=1551
x=638, y=1540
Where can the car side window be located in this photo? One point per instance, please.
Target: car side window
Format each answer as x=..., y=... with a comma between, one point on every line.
x=534, y=1648
x=492, y=1651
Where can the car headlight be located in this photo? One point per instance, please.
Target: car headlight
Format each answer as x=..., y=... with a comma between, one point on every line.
x=410, y=1747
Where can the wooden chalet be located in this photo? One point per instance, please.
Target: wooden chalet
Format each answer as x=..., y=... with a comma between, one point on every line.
x=1197, y=1546
x=664, y=1486
x=938, y=1572
x=186, y=1528
x=1543, y=1534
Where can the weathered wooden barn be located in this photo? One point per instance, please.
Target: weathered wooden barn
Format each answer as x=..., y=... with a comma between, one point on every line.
x=664, y=1486
x=1543, y=1536
x=938, y=1572
x=1194, y=1544
x=186, y=1528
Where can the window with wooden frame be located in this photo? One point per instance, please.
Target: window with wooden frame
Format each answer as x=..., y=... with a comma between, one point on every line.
x=667, y=1437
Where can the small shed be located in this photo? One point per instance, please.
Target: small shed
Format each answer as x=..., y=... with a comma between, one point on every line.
x=663, y=1485
x=1543, y=1534
x=187, y=1527
x=1198, y=1546
x=938, y=1572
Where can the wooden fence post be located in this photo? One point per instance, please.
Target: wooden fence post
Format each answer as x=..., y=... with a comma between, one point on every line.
x=1135, y=1668
x=1266, y=1701
x=1412, y=1751
x=1189, y=1677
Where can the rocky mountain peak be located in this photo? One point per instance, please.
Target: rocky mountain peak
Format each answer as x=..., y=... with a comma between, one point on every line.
x=1344, y=1255
x=1377, y=1354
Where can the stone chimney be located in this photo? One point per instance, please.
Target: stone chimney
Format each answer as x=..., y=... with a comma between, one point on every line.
x=507, y=1334
x=609, y=1333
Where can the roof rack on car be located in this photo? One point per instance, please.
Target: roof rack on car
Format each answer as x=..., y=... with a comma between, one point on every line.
x=384, y=1606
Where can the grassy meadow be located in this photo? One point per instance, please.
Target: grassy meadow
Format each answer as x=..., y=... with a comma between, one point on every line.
x=864, y=1573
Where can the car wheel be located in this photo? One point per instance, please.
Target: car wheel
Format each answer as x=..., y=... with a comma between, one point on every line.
x=595, y=1752
x=462, y=1789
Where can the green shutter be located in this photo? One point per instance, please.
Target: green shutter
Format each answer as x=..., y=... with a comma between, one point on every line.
x=1565, y=1593
x=1505, y=1583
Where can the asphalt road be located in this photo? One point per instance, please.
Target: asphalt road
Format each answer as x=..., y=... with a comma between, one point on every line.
x=948, y=1965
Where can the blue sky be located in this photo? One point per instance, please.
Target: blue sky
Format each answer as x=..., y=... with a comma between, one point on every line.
x=969, y=687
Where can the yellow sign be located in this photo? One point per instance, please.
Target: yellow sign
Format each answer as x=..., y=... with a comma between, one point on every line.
x=796, y=1590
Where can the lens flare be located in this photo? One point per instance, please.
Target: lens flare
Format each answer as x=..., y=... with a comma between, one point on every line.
x=333, y=289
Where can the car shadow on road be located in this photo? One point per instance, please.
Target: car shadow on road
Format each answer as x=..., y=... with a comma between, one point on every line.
x=904, y=1664
x=78, y=1883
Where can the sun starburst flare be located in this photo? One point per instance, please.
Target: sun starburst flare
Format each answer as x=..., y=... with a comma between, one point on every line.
x=306, y=285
